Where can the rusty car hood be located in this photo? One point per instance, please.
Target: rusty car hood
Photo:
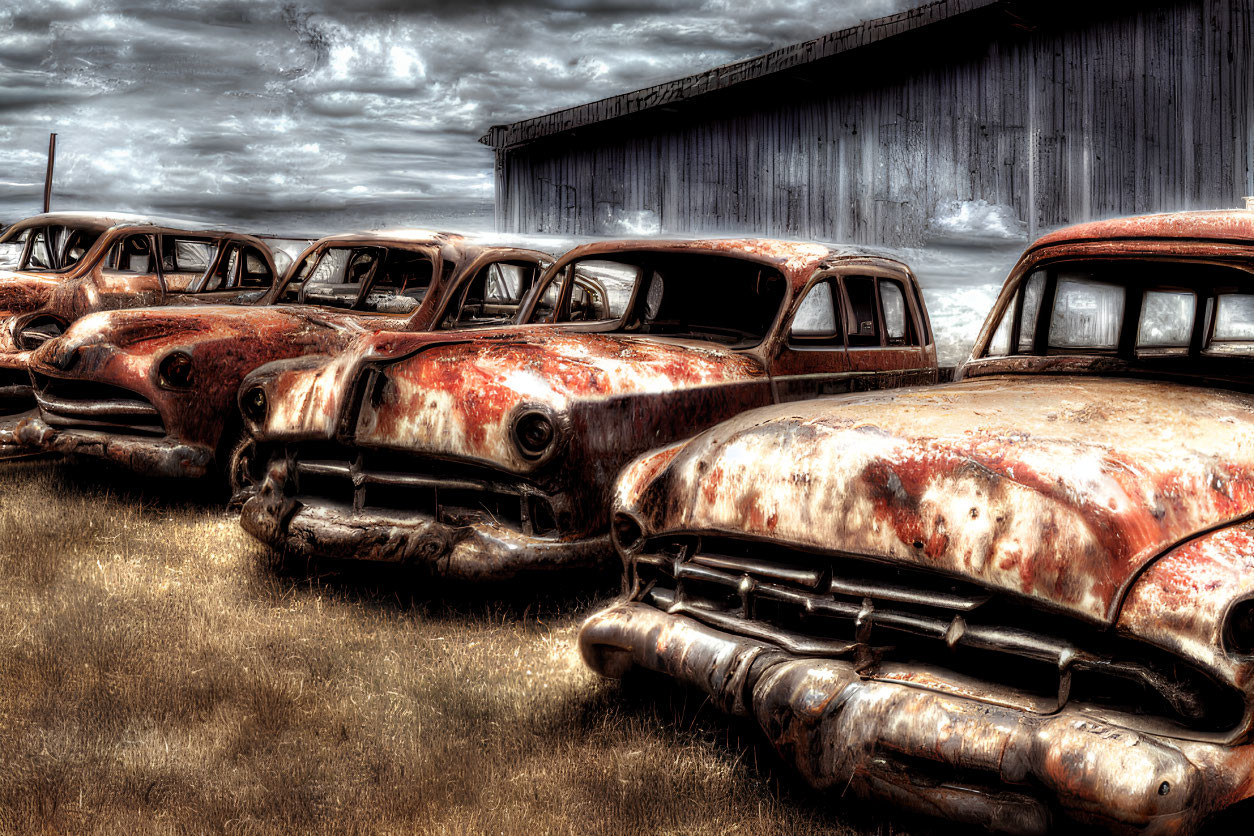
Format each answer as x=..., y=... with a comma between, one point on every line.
x=146, y=329
x=459, y=398
x=1061, y=489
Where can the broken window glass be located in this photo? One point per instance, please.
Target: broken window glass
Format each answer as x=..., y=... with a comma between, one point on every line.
x=40, y=256
x=1087, y=314
x=1234, y=318
x=999, y=345
x=185, y=260
x=256, y=272
x=893, y=302
x=11, y=250
x=133, y=255
x=337, y=278
x=1031, y=310
x=816, y=315
x=1166, y=319
x=863, y=325
x=402, y=282
x=291, y=291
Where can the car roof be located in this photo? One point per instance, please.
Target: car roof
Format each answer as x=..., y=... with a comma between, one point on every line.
x=797, y=259
x=1235, y=225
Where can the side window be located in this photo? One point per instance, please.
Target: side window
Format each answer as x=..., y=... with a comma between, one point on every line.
x=999, y=345
x=1032, y=291
x=492, y=297
x=547, y=303
x=1087, y=314
x=256, y=273
x=12, y=249
x=817, y=317
x=224, y=272
x=401, y=284
x=185, y=260
x=132, y=255
x=291, y=292
x=897, y=327
x=1166, y=319
x=338, y=276
x=602, y=290
x=40, y=257
x=863, y=324
x=77, y=243
x=1234, y=318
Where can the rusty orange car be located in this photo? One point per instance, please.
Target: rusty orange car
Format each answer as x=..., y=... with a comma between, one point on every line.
x=155, y=389
x=486, y=459
x=1020, y=599
x=60, y=266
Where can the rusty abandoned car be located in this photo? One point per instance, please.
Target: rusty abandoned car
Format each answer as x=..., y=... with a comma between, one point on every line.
x=64, y=265
x=155, y=389
x=486, y=459
x=1024, y=597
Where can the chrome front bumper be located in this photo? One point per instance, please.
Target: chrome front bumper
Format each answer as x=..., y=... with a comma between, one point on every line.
x=924, y=750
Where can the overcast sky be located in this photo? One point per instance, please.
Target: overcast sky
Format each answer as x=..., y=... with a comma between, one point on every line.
x=310, y=116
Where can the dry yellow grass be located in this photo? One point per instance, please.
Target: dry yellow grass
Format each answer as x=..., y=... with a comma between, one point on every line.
x=157, y=676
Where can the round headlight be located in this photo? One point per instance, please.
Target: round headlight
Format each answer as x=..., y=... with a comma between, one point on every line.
x=534, y=434
x=628, y=534
x=254, y=404
x=176, y=370
x=1239, y=630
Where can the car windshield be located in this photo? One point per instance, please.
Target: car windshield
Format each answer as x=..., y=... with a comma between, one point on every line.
x=395, y=280
x=1140, y=311
x=52, y=248
x=674, y=294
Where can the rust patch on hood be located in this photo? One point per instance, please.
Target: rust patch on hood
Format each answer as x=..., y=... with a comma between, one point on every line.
x=460, y=399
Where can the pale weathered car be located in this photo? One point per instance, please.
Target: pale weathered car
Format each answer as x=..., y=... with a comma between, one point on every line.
x=1023, y=597
x=60, y=266
x=155, y=389
x=486, y=459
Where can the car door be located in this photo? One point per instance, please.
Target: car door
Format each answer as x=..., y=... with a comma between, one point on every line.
x=214, y=271
x=885, y=332
x=812, y=358
x=129, y=275
x=491, y=295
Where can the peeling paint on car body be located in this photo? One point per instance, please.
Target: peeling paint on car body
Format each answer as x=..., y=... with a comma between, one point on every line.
x=439, y=419
x=1013, y=599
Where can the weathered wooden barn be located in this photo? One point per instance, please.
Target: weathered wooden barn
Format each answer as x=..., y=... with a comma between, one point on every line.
x=1062, y=111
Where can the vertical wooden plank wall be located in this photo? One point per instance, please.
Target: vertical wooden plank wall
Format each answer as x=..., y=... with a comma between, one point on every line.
x=1150, y=112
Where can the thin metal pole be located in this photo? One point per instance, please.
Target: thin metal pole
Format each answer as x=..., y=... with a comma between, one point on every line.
x=52, y=158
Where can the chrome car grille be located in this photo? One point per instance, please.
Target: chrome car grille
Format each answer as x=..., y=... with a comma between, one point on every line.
x=875, y=614
x=87, y=405
x=394, y=484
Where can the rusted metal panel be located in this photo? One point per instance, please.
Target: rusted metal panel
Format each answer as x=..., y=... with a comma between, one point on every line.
x=422, y=461
x=1026, y=593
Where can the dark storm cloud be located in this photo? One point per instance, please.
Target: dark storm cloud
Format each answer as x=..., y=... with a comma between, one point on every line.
x=312, y=113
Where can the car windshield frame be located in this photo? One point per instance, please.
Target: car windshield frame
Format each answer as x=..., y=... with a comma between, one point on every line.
x=318, y=251
x=89, y=257
x=631, y=320
x=1004, y=346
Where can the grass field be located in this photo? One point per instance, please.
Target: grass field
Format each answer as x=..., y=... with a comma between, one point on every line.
x=157, y=676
